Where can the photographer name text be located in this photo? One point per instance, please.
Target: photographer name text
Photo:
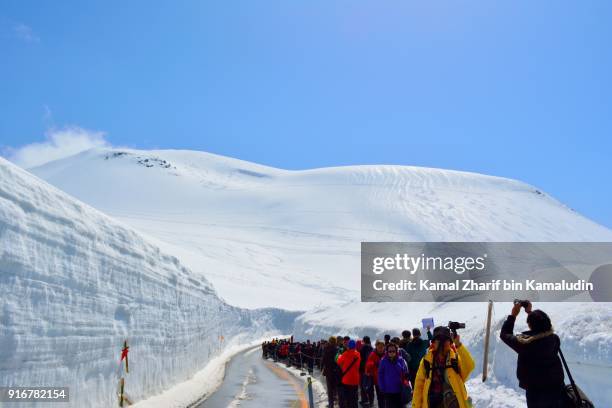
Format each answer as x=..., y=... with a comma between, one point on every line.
x=470, y=285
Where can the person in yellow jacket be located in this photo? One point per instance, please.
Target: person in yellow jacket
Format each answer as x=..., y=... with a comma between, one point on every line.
x=440, y=380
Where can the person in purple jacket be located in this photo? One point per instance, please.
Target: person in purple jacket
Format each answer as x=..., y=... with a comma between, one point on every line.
x=391, y=371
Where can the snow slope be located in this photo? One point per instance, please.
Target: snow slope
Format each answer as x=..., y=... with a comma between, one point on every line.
x=74, y=284
x=291, y=239
x=272, y=237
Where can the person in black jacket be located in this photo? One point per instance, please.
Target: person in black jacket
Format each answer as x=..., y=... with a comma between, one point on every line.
x=403, y=343
x=366, y=385
x=328, y=363
x=538, y=369
x=417, y=348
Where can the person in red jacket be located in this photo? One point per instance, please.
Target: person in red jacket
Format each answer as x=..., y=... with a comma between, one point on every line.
x=349, y=363
x=284, y=351
x=371, y=369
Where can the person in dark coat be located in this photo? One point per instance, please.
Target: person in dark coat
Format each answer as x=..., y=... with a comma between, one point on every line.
x=342, y=347
x=538, y=368
x=328, y=363
x=417, y=348
x=403, y=343
x=371, y=370
x=367, y=385
x=400, y=351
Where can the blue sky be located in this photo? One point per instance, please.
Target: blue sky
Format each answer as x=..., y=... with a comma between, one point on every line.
x=518, y=89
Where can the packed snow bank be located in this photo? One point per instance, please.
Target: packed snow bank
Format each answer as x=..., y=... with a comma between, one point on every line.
x=74, y=284
x=291, y=239
x=585, y=330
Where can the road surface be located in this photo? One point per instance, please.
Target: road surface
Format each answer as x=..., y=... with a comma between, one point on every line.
x=251, y=382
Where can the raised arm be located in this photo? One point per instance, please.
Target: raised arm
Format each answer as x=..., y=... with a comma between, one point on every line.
x=466, y=362
x=507, y=330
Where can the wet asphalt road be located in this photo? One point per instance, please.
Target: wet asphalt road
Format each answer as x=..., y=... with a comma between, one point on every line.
x=250, y=381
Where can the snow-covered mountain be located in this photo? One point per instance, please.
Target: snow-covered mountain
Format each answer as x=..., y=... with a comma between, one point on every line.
x=291, y=239
x=74, y=284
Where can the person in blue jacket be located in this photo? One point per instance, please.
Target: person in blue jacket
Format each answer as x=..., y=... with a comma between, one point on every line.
x=391, y=372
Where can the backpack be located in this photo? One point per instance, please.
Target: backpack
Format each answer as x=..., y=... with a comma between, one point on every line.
x=454, y=364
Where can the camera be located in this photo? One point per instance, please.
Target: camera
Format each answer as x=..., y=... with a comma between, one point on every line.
x=453, y=326
x=523, y=303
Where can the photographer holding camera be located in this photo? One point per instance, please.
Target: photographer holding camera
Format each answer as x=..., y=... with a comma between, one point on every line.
x=440, y=380
x=538, y=369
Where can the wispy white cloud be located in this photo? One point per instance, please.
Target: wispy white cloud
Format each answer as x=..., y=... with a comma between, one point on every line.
x=26, y=33
x=58, y=144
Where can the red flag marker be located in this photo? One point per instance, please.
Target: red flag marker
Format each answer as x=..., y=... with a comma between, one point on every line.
x=124, y=354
